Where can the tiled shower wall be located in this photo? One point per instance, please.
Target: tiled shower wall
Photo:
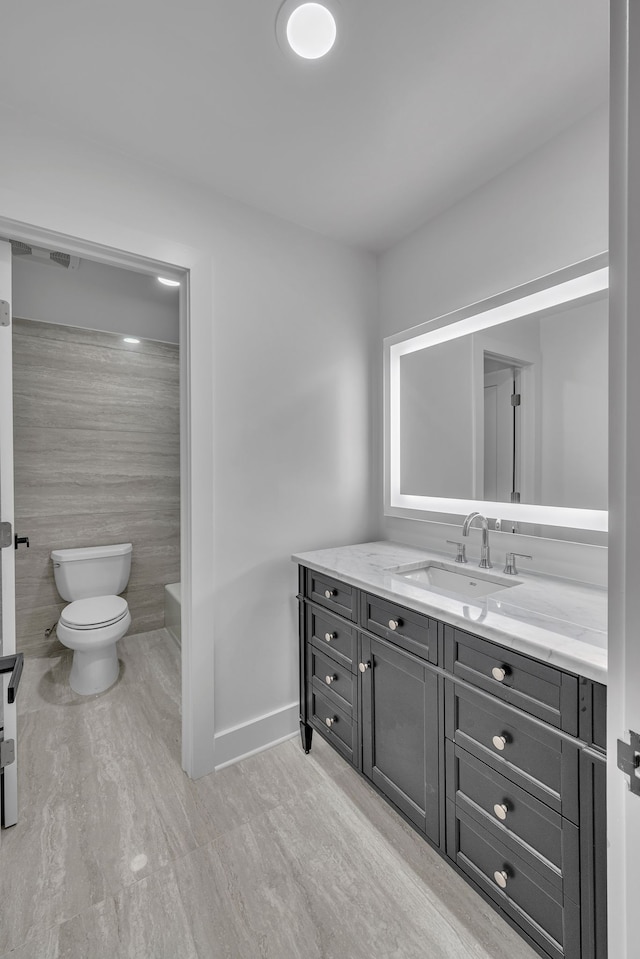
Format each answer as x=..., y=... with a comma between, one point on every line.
x=97, y=461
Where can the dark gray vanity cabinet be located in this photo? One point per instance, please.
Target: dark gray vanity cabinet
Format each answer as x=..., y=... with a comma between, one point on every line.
x=498, y=759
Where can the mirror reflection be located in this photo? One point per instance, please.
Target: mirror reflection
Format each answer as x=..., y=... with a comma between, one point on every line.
x=515, y=413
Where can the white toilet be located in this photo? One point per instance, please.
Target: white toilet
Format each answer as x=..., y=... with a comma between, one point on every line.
x=96, y=618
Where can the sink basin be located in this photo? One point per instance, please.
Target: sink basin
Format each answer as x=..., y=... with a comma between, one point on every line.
x=462, y=582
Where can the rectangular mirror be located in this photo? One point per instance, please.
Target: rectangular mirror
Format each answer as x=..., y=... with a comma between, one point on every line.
x=503, y=407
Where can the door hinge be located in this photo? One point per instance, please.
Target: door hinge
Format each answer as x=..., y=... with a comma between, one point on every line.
x=515, y=399
x=629, y=760
x=5, y=313
x=6, y=535
x=7, y=752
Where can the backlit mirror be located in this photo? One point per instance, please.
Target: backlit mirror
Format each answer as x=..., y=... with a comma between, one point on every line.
x=503, y=407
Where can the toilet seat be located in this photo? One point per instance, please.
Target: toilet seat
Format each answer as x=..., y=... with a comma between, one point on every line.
x=94, y=613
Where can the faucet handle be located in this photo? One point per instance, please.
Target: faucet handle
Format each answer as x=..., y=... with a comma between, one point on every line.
x=510, y=563
x=461, y=556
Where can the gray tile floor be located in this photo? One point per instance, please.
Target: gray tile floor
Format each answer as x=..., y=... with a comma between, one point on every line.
x=117, y=854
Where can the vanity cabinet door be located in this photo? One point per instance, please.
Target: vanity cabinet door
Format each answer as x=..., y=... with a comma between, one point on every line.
x=400, y=730
x=593, y=853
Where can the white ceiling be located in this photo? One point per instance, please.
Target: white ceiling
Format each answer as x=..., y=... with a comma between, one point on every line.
x=420, y=102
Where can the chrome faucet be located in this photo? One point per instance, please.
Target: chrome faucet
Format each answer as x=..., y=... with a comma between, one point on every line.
x=485, y=556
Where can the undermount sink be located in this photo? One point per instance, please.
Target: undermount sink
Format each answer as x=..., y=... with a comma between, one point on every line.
x=463, y=582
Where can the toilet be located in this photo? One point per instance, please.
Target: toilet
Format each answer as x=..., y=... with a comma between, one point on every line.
x=97, y=617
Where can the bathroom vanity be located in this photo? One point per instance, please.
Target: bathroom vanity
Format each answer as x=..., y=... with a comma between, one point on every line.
x=480, y=719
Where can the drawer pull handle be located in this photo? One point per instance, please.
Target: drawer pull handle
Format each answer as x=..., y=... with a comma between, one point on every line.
x=394, y=624
x=501, y=809
x=501, y=877
x=329, y=593
x=499, y=673
x=330, y=679
x=363, y=667
x=329, y=636
x=500, y=741
x=330, y=720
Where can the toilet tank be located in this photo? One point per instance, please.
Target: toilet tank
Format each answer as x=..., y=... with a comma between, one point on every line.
x=92, y=570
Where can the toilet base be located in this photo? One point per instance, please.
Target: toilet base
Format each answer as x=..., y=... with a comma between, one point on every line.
x=94, y=670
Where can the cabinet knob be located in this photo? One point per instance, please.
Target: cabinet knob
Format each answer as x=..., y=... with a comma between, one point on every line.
x=330, y=679
x=499, y=673
x=329, y=636
x=394, y=623
x=501, y=809
x=501, y=877
x=363, y=667
x=329, y=593
x=330, y=720
x=500, y=741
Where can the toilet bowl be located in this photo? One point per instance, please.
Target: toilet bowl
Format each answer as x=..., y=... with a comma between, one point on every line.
x=92, y=627
x=97, y=617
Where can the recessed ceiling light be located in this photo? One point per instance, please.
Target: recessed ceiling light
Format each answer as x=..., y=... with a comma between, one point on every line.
x=167, y=282
x=131, y=339
x=310, y=29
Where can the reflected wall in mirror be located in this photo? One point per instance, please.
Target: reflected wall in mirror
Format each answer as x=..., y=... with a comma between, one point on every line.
x=503, y=406
x=521, y=412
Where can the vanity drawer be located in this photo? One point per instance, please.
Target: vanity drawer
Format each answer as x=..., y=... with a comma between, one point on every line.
x=333, y=635
x=336, y=681
x=538, y=689
x=334, y=723
x=538, y=907
x=333, y=594
x=535, y=757
x=549, y=842
x=411, y=631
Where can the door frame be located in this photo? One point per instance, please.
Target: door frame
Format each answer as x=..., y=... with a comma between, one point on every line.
x=623, y=703
x=197, y=729
x=9, y=784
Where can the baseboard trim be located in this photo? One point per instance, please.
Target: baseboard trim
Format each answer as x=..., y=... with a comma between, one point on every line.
x=247, y=739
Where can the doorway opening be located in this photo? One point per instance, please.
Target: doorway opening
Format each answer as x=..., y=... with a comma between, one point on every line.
x=502, y=429
x=73, y=255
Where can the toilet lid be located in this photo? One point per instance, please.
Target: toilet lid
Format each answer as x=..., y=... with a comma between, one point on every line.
x=94, y=612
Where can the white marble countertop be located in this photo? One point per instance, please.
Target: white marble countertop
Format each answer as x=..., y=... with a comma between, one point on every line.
x=556, y=620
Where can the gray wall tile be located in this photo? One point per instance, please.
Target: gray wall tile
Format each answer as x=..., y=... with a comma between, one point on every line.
x=34, y=621
x=68, y=471
x=39, y=645
x=63, y=384
x=112, y=341
x=146, y=605
x=97, y=461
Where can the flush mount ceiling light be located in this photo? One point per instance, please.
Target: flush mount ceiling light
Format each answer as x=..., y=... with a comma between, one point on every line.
x=309, y=29
x=131, y=339
x=166, y=282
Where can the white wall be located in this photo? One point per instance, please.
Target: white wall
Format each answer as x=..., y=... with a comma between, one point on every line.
x=542, y=214
x=97, y=297
x=279, y=361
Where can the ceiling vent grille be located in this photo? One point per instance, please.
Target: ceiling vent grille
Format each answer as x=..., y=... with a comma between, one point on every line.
x=18, y=248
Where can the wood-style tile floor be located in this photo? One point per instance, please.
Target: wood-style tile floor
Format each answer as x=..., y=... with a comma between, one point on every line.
x=282, y=856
